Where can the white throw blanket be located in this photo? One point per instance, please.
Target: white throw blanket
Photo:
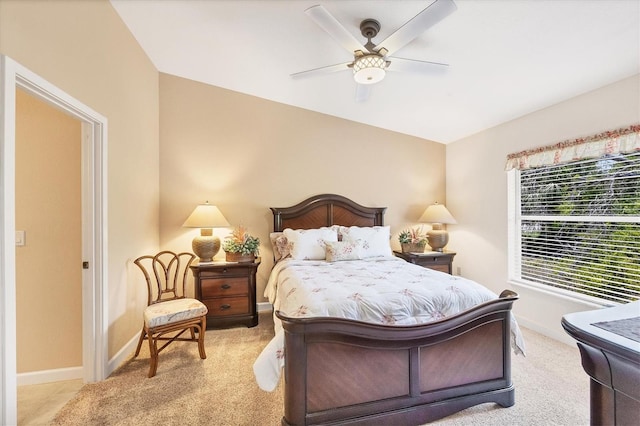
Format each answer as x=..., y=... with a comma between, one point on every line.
x=382, y=290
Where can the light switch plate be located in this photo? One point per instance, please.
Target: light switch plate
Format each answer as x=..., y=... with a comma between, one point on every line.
x=20, y=238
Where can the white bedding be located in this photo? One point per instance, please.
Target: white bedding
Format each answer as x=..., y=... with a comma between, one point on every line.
x=383, y=290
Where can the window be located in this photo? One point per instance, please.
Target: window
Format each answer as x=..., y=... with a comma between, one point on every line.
x=575, y=227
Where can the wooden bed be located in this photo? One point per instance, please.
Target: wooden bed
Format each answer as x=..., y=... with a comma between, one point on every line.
x=340, y=371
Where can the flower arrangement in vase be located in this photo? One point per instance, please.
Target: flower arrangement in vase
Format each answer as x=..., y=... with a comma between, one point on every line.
x=240, y=246
x=412, y=240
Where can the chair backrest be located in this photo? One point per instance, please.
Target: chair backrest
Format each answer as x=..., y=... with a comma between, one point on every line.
x=166, y=275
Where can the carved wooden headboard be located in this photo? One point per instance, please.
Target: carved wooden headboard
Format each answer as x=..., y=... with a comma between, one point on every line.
x=326, y=210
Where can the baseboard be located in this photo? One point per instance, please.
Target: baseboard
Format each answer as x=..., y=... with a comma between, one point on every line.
x=560, y=337
x=264, y=307
x=48, y=376
x=123, y=354
x=61, y=374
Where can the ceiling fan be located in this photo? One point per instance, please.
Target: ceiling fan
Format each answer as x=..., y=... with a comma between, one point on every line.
x=371, y=61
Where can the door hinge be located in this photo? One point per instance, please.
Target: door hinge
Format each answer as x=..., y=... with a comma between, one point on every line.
x=85, y=265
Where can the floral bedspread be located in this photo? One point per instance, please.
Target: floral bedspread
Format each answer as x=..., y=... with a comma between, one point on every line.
x=383, y=290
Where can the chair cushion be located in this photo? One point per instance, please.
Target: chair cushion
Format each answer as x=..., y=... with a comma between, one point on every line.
x=173, y=311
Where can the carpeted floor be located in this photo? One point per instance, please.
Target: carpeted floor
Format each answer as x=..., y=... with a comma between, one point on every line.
x=551, y=387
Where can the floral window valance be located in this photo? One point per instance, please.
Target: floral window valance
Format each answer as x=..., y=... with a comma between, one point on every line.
x=613, y=142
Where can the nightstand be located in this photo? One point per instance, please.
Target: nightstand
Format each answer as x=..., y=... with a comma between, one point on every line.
x=229, y=291
x=433, y=260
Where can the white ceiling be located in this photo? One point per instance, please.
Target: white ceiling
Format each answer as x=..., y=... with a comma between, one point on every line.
x=506, y=58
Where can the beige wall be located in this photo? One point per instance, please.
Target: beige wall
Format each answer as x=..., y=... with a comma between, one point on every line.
x=246, y=154
x=477, y=189
x=85, y=49
x=48, y=209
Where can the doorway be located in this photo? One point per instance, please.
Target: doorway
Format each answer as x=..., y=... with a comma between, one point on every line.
x=48, y=213
x=94, y=207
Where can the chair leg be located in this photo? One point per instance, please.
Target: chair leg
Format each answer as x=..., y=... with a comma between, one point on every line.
x=153, y=352
x=142, y=334
x=153, y=337
x=203, y=328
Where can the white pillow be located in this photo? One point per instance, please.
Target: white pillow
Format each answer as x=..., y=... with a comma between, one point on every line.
x=343, y=250
x=308, y=244
x=374, y=239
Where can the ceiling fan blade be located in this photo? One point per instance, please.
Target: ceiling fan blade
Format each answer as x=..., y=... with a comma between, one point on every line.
x=322, y=70
x=414, y=65
x=363, y=92
x=327, y=22
x=434, y=13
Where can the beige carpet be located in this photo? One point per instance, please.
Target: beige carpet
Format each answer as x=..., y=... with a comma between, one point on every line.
x=551, y=387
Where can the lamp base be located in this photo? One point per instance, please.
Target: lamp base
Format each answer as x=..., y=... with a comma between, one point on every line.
x=437, y=237
x=206, y=245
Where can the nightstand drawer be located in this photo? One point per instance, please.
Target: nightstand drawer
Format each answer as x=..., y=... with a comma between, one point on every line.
x=227, y=306
x=444, y=267
x=233, y=286
x=432, y=261
x=225, y=271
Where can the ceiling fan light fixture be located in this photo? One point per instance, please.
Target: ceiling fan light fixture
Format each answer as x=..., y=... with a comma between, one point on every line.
x=369, y=69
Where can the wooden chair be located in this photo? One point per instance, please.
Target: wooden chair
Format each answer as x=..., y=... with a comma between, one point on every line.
x=169, y=313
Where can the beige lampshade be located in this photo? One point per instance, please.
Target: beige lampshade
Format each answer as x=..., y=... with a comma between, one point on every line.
x=206, y=216
x=437, y=215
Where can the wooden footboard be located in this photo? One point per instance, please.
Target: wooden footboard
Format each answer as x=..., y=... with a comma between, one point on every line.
x=340, y=371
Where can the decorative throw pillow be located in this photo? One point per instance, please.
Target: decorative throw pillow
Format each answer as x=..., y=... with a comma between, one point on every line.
x=279, y=245
x=274, y=246
x=283, y=247
x=343, y=250
x=308, y=244
x=374, y=239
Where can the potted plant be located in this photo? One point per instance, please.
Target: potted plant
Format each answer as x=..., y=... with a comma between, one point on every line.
x=240, y=246
x=412, y=240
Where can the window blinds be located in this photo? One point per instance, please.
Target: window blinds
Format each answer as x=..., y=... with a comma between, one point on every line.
x=580, y=226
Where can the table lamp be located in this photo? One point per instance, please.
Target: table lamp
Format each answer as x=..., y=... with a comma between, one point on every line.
x=437, y=215
x=206, y=217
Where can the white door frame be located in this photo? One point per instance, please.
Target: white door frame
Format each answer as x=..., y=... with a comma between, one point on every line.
x=94, y=229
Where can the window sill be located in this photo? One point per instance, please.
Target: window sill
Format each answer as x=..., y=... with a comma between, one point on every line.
x=563, y=294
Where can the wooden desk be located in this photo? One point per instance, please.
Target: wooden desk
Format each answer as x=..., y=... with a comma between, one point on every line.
x=611, y=360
